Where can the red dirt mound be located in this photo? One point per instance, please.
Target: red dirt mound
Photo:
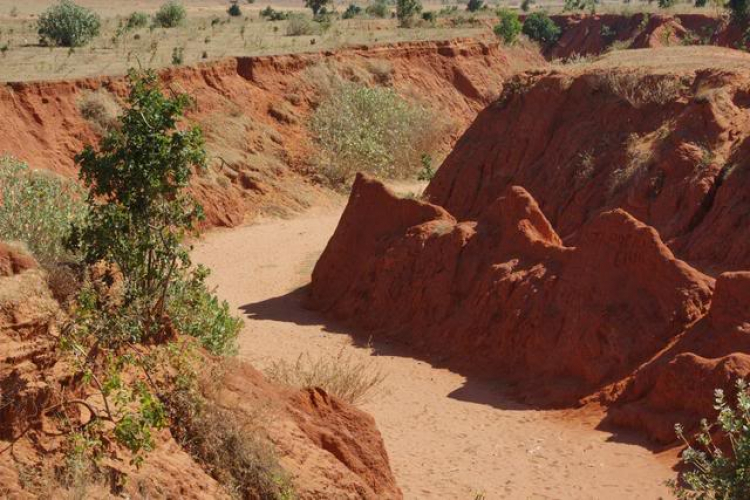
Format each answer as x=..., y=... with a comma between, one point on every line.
x=253, y=111
x=330, y=449
x=669, y=148
x=573, y=298
x=505, y=293
x=677, y=385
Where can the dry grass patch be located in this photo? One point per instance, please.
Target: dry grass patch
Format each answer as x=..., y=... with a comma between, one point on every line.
x=640, y=90
x=346, y=376
x=100, y=109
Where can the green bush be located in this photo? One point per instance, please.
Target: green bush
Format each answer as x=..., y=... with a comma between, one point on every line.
x=539, y=27
x=526, y=5
x=299, y=25
x=712, y=473
x=509, y=26
x=372, y=130
x=475, y=5
x=37, y=209
x=406, y=11
x=139, y=212
x=352, y=11
x=234, y=10
x=317, y=6
x=739, y=10
x=137, y=20
x=430, y=16
x=667, y=4
x=68, y=25
x=197, y=312
x=271, y=14
x=170, y=15
x=379, y=8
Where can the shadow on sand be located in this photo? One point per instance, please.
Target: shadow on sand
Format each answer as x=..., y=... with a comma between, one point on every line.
x=290, y=308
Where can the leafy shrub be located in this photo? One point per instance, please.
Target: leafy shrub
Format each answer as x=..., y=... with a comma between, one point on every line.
x=430, y=16
x=299, y=25
x=234, y=10
x=170, y=15
x=475, y=5
x=739, y=10
x=406, y=10
x=373, y=130
x=138, y=217
x=37, y=209
x=526, y=5
x=352, y=11
x=667, y=4
x=342, y=375
x=539, y=27
x=589, y=5
x=178, y=55
x=509, y=26
x=712, y=472
x=137, y=20
x=271, y=14
x=317, y=6
x=700, y=3
x=68, y=25
x=197, y=312
x=378, y=8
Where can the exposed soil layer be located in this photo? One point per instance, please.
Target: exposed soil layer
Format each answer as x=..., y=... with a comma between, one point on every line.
x=591, y=35
x=550, y=254
x=667, y=145
x=330, y=449
x=254, y=109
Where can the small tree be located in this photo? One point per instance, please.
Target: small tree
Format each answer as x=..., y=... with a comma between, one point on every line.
x=475, y=5
x=526, y=5
x=739, y=10
x=138, y=210
x=667, y=4
x=318, y=7
x=509, y=26
x=406, y=11
x=379, y=8
x=234, y=10
x=713, y=473
x=68, y=25
x=351, y=11
x=137, y=20
x=539, y=27
x=170, y=15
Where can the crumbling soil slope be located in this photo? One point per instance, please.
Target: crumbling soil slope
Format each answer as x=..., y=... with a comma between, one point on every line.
x=254, y=109
x=591, y=35
x=329, y=448
x=550, y=251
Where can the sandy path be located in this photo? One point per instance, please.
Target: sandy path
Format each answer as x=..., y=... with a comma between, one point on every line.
x=446, y=439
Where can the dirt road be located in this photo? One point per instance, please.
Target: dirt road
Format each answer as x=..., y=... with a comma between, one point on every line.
x=446, y=438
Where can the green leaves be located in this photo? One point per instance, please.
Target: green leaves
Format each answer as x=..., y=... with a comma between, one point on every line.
x=68, y=25
x=712, y=473
x=37, y=208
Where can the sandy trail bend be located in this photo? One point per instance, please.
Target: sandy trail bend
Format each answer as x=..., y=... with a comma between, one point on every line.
x=446, y=438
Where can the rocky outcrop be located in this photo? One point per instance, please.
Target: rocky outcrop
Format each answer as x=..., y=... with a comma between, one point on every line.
x=505, y=293
x=329, y=448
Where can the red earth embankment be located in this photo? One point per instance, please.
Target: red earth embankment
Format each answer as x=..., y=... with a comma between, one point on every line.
x=550, y=251
x=591, y=35
x=329, y=448
x=254, y=110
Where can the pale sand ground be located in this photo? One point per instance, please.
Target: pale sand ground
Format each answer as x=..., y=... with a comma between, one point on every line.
x=446, y=439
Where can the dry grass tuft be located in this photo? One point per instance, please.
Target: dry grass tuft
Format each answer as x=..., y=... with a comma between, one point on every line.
x=640, y=90
x=347, y=377
x=100, y=109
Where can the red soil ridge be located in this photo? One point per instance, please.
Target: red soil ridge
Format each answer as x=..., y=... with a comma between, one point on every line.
x=591, y=35
x=582, y=297
x=253, y=111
